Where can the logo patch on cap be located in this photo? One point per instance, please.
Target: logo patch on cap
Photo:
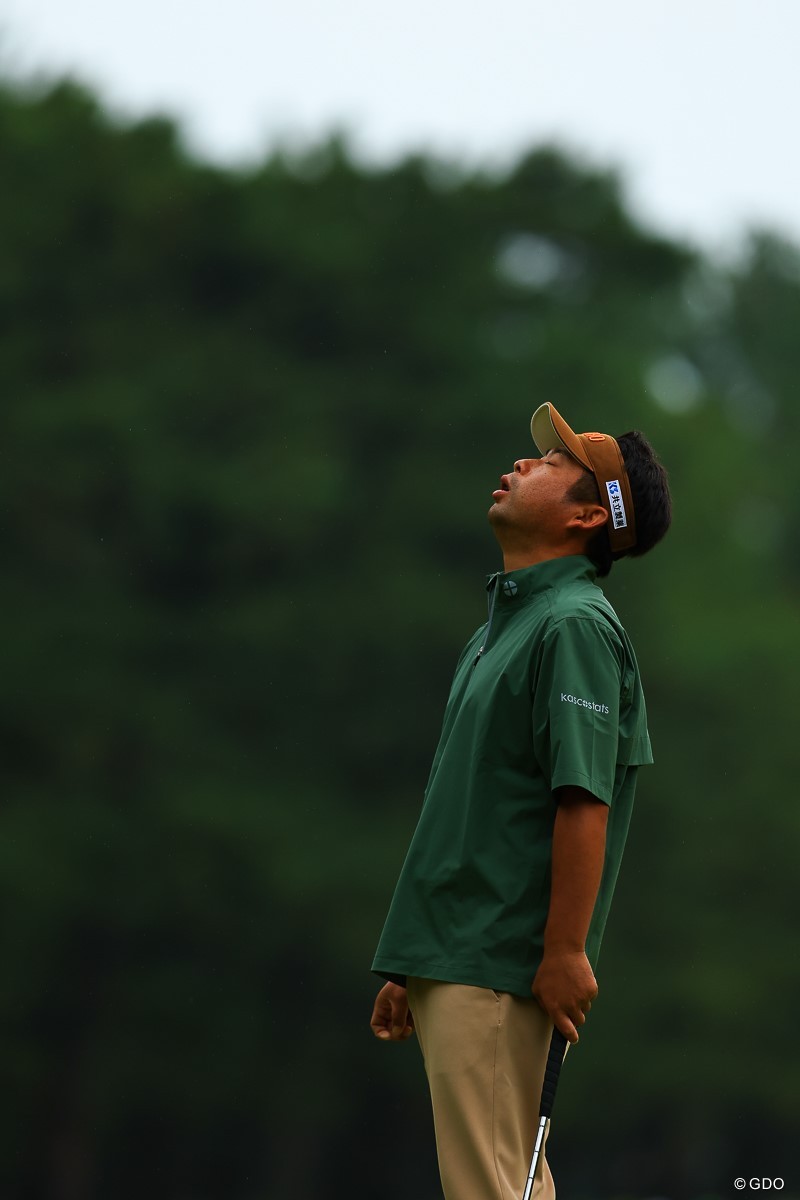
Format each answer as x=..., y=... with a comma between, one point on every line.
x=616, y=505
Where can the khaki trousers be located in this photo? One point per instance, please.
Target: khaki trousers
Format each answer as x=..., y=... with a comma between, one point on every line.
x=485, y=1055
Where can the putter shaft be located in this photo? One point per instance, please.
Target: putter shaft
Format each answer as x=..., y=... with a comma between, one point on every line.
x=555, y=1057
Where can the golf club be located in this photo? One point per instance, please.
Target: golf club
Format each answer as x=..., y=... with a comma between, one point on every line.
x=555, y=1057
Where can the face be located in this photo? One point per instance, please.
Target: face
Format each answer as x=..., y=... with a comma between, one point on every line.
x=533, y=497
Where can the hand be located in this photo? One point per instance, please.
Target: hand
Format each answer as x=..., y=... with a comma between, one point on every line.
x=565, y=987
x=391, y=1016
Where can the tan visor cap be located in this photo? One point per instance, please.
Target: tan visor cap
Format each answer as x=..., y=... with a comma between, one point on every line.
x=600, y=454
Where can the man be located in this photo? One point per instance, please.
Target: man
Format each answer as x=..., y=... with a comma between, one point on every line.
x=497, y=918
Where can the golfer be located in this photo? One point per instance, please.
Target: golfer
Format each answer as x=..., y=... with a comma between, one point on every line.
x=495, y=926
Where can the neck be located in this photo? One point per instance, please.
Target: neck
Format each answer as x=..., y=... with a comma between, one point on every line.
x=516, y=557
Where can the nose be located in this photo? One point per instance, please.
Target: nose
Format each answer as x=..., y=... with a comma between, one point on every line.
x=523, y=465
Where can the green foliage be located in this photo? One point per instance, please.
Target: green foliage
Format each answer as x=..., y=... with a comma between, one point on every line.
x=250, y=428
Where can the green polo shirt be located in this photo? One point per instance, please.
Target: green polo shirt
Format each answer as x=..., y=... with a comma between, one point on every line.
x=552, y=698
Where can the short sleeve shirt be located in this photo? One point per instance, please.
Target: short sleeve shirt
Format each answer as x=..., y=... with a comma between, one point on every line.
x=547, y=694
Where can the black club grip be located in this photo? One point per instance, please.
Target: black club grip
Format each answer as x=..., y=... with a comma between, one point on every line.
x=558, y=1047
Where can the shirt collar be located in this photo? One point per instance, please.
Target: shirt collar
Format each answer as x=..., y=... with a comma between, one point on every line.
x=512, y=586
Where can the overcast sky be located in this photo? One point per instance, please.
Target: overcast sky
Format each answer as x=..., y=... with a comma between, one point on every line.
x=696, y=100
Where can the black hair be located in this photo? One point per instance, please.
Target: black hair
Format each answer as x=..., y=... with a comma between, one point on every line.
x=652, y=503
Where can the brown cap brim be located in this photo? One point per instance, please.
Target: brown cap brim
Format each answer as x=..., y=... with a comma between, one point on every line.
x=549, y=429
x=600, y=454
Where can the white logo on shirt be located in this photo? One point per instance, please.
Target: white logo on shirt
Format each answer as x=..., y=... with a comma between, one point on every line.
x=570, y=699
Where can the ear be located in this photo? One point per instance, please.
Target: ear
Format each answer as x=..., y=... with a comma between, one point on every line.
x=589, y=518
